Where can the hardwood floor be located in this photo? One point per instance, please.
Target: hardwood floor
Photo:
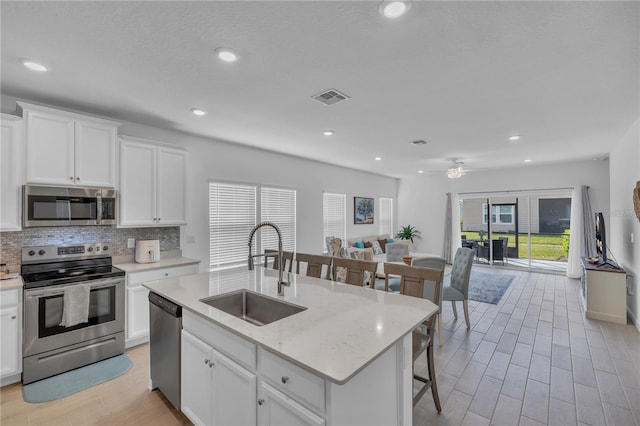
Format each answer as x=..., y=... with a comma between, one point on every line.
x=532, y=359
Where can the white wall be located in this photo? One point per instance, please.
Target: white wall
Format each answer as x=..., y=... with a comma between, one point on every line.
x=622, y=221
x=421, y=199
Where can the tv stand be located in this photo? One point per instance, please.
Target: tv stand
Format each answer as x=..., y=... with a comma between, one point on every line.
x=603, y=291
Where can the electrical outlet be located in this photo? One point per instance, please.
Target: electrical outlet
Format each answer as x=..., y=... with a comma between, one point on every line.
x=131, y=242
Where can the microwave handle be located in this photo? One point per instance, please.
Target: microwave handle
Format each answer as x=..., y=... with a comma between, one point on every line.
x=99, y=208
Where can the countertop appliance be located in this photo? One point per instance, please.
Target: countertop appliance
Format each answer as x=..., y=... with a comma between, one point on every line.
x=147, y=251
x=165, y=325
x=50, y=348
x=59, y=206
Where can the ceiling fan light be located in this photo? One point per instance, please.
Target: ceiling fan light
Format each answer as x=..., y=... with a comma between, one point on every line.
x=394, y=9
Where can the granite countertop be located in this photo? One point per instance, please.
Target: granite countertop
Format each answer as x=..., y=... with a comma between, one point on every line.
x=162, y=263
x=10, y=283
x=343, y=329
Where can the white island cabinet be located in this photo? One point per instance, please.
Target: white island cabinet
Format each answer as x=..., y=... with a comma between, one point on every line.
x=65, y=148
x=152, y=184
x=345, y=359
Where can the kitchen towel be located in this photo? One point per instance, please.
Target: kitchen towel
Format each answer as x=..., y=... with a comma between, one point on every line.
x=75, y=308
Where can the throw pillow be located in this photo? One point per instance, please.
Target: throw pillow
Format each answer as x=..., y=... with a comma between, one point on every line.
x=383, y=245
x=376, y=248
x=368, y=244
x=390, y=240
x=359, y=244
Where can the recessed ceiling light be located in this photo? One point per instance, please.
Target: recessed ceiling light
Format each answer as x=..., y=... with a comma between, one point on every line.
x=226, y=54
x=35, y=66
x=514, y=137
x=328, y=132
x=527, y=160
x=378, y=158
x=198, y=111
x=420, y=171
x=394, y=9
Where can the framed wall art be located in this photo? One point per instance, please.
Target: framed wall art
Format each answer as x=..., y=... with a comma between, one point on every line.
x=363, y=210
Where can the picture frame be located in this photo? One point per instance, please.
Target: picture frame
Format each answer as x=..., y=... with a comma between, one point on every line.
x=363, y=210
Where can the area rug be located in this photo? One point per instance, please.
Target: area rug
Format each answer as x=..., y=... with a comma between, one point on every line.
x=73, y=381
x=487, y=287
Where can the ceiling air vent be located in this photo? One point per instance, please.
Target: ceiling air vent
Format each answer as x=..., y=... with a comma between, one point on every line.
x=330, y=97
x=419, y=142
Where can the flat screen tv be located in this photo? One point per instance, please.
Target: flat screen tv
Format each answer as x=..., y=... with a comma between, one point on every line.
x=601, y=238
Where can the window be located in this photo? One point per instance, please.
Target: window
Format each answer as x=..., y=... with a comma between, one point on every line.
x=386, y=216
x=334, y=217
x=233, y=213
x=279, y=207
x=500, y=215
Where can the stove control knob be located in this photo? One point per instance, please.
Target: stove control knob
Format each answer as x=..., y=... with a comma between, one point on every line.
x=105, y=248
x=98, y=248
x=41, y=252
x=31, y=252
x=90, y=249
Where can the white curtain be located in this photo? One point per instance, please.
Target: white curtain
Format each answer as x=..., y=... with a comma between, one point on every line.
x=448, y=231
x=452, y=234
x=575, y=237
x=588, y=246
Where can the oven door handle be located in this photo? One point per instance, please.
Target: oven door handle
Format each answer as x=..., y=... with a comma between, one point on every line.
x=60, y=290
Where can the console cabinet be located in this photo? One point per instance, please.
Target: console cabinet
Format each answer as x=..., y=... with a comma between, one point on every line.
x=10, y=172
x=11, y=332
x=603, y=292
x=137, y=300
x=152, y=184
x=64, y=148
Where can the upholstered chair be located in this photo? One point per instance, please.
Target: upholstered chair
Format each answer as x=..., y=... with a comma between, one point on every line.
x=396, y=251
x=458, y=290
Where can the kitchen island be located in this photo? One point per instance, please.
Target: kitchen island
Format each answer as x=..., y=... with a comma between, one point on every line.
x=345, y=359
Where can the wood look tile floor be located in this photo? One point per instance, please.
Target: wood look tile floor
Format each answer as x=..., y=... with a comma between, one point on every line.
x=532, y=359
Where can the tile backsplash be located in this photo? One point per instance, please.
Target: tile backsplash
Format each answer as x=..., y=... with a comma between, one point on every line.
x=11, y=243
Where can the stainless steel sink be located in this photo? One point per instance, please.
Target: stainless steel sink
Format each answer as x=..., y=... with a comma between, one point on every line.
x=253, y=307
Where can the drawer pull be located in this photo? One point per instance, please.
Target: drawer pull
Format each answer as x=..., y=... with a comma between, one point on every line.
x=166, y=274
x=13, y=317
x=285, y=379
x=261, y=401
x=206, y=362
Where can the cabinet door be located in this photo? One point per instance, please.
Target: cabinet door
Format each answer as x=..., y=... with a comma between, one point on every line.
x=50, y=148
x=95, y=154
x=137, y=184
x=172, y=167
x=137, y=312
x=234, y=395
x=196, y=384
x=275, y=408
x=10, y=190
x=9, y=350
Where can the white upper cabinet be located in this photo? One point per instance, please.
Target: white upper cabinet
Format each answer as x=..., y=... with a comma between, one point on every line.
x=64, y=148
x=10, y=172
x=152, y=184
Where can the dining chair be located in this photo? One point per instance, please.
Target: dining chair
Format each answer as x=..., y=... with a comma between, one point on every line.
x=353, y=271
x=286, y=256
x=433, y=262
x=458, y=288
x=315, y=263
x=412, y=283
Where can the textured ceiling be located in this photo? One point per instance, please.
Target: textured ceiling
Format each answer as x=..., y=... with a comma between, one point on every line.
x=462, y=75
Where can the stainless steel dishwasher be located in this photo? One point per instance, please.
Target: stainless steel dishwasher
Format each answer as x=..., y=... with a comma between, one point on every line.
x=165, y=324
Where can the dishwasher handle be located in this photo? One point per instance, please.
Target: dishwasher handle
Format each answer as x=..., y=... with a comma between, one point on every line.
x=166, y=305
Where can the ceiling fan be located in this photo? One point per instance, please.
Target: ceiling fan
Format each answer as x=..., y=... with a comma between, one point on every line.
x=456, y=170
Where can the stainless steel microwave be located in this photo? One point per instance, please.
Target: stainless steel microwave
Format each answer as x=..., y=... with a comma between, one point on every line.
x=59, y=206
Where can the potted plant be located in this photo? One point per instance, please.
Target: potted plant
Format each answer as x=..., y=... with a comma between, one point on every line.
x=408, y=233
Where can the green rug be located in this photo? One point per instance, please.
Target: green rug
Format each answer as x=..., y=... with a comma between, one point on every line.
x=487, y=287
x=73, y=381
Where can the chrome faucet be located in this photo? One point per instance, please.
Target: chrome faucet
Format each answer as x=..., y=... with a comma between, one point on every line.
x=281, y=282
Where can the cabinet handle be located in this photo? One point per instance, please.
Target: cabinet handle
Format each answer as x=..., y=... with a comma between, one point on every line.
x=166, y=274
x=261, y=401
x=77, y=178
x=71, y=178
x=206, y=361
x=285, y=379
x=13, y=317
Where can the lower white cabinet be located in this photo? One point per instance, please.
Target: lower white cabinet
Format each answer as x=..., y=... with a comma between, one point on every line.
x=11, y=332
x=275, y=408
x=215, y=389
x=137, y=300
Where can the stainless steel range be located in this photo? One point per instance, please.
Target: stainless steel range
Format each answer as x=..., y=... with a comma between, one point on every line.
x=50, y=274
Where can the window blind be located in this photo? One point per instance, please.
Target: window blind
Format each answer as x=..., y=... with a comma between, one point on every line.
x=278, y=206
x=232, y=215
x=334, y=217
x=386, y=216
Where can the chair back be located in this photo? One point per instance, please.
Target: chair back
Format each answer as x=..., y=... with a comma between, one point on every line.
x=433, y=262
x=412, y=283
x=286, y=256
x=461, y=269
x=314, y=262
x=396, y=251
x=353, y=271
